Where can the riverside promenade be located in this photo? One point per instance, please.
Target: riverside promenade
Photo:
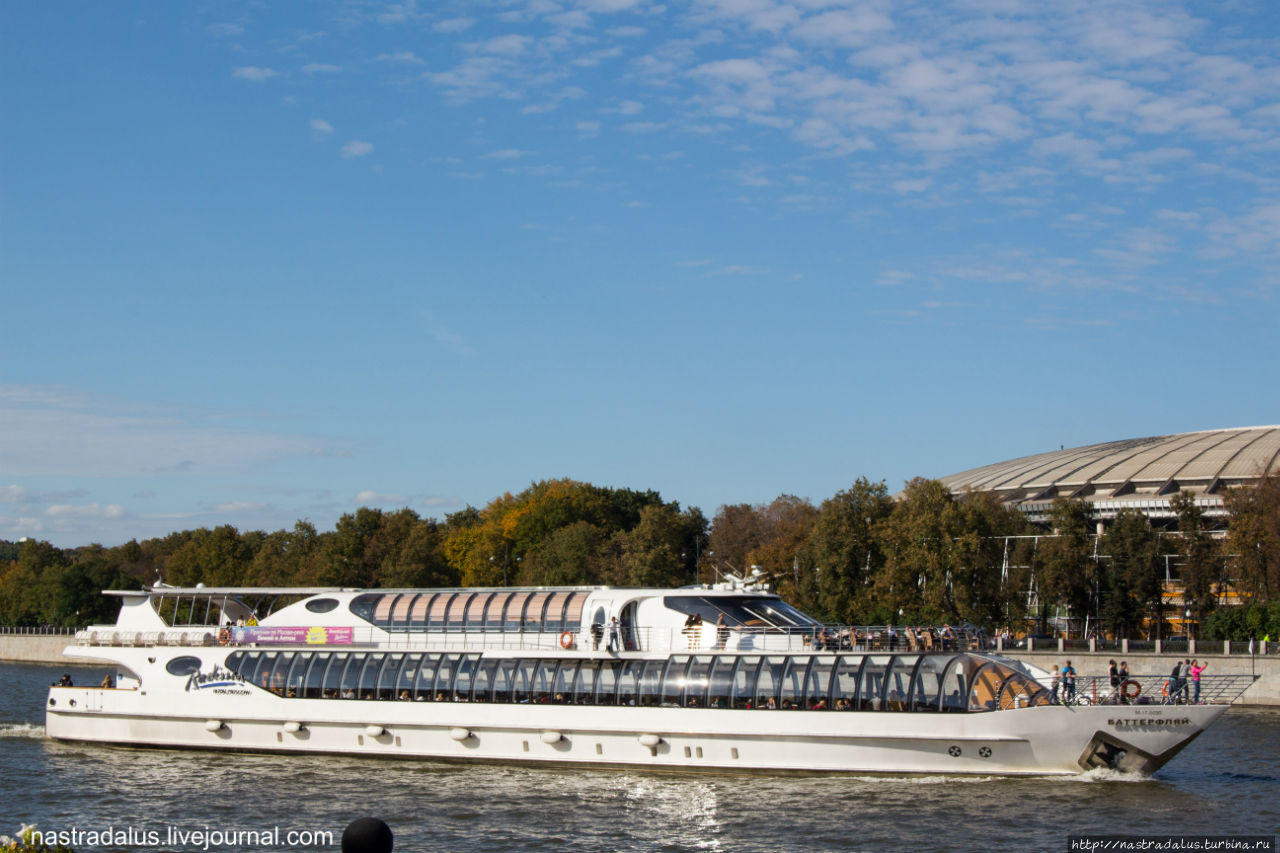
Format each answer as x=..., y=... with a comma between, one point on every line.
x=47, y=648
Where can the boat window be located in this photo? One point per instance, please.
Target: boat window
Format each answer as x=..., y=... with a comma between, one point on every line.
x=584, y=687
x=457, y=607
x=745, y=676
x=562, y=694
x=382, y=610
x=362, y=606
x=697, y=682
x=297, y=671
x=769, y=681
x=475, y=610
x=673, y=680
x=608, y=683
x=186, y=665
x=349, y=680
x=629, y=682
x=418, y=613
x=493, y=612
x=720, y=681
x=650, y=692
x=898, y=682
x=400, y=612
x=871, y=688
x=531, y=619
x=365, y=675
x=553, y=613
x=265, y=676
x=543, y=680
x=462, y=679
x=408, y=677
x=513, y=612
x=443, y=686
x=333, y=676
x=314, y=680
x=483, y=686
x=818, y=684
x=747, y=611
x=522, y=688
x=573, y=610
x=503, y=678
x=389, y=675
x=423, y=687
x=927, y=682
x=844, y=687
x=321, y=605
x=791, y=688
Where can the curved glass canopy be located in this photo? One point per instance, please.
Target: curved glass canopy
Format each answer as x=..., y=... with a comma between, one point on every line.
x=936, y=683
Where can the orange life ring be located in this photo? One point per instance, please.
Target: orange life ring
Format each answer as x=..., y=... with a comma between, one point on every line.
x=224, y=636
x=1133, y=693
x=566, y=640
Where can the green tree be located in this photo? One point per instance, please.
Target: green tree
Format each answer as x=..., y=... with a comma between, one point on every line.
x=1130, y=577
x=845, y=551
x=1254, y=537
x=1066, y=573
x=1202, y=576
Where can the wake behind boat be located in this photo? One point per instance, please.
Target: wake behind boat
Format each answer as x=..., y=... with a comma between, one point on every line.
x=700, y=678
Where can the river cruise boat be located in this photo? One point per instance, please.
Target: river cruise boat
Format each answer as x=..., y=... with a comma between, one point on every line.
x=719, y=678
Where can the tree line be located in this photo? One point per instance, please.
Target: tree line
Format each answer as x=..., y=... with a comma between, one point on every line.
x=862, y=556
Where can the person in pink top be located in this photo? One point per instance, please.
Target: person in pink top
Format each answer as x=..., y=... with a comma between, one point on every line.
x=1196, y=669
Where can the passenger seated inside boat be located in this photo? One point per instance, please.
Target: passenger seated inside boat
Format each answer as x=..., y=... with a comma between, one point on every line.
x=65, y=681
x=108, y=682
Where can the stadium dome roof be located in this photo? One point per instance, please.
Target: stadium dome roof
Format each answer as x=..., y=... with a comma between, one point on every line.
x=1141, y=473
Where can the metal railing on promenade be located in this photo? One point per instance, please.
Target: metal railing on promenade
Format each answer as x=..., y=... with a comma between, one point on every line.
x=36, y=631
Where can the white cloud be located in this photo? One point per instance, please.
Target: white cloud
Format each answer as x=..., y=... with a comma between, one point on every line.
x=319, y=125
x=453, y=25
x=85, y=511
x=242, y=506
x=254, y=73
x=356, y=148
x=320, y=68
x=372, y=497
x=14, y=495
x=52, y=432
x=404, y=57
x=225, y=29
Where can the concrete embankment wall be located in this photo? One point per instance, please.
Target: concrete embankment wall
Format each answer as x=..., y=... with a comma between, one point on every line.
x=35, y=648
x=1265, y=691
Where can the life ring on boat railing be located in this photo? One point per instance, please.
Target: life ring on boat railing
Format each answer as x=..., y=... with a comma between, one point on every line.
x=566, y=640
x=224, y=636
x=1131, y=689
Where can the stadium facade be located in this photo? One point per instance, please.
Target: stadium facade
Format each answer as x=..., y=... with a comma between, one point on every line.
x=1137, y=473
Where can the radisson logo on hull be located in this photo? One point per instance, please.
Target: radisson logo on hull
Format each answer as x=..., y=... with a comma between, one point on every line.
x=218, y=680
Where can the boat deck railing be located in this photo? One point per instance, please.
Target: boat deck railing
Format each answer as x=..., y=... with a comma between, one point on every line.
x=1151, y=690
x=629, y=639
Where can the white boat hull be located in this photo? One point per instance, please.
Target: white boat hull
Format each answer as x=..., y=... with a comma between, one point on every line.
x=1028, y=741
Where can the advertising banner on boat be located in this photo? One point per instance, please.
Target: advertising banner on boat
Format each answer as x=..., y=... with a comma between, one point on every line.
x=314, y=635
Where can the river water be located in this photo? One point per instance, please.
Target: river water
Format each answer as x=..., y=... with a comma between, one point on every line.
x=1227, y=782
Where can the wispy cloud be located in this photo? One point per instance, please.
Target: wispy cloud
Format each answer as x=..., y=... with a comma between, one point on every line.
x=319, y=125
x=356, y=148
x=253, y=73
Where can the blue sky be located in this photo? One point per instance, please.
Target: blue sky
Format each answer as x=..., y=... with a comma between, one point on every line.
x=268, y=262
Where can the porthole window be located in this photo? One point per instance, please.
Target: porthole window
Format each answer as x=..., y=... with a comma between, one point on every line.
x=184, y=665
x=322, y=605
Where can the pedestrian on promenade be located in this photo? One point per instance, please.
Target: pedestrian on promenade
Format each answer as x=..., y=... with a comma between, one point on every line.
x=1055, y=683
